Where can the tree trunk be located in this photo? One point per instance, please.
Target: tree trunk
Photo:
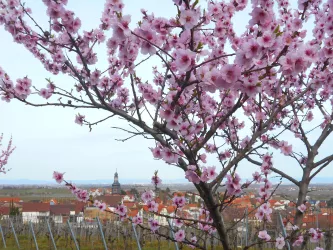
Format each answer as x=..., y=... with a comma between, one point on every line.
x=303, y=188
x=215, y=214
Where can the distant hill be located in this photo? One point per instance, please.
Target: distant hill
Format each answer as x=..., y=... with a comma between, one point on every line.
x=317, y=180
x=80, y=182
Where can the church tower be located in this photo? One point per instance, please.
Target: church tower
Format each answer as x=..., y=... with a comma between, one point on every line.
x=116, y=185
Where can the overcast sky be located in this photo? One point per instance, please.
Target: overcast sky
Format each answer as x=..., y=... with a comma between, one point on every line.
x=47, y=139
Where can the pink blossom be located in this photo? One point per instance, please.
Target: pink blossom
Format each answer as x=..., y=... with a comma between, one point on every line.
x=260, y=116
x=208, y=173
x=178, y=222
x=192, y=175
x=81, y=194
x=297, y=24
x=256, y=176
x=179, y=201
x=137, y=220
x=298, y=242
x=96, y=203
x=184, y=59
x=261, y=16
x=121, y=28
x=155, y=180
x=211, y=173
x=193, y=240
x=147, y=196
x=101, y=206
x=121, y=210
x=279, y=242
x=233, y=184
x=315, y=235
x=302, y=208
x=180, y=235
x=46, y=93
x=285, y=148
x=266, y=208
x=287, y=63
x=22, y=88
x=79, y=119
x=153, y=224
x=230, y=73
x=95, y=77
x=310, y=53
x=266, y=40
x=152, y=206
x=203, y=157
x=167, y=114
x=260, y=214
x=169, y=156
x=157, y=152
x=251, y=48
x=189, y=18
x=59, y=177
x=309, y=116
x=264, y=235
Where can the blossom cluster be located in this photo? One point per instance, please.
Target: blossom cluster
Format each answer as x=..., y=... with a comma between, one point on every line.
x=4, y=155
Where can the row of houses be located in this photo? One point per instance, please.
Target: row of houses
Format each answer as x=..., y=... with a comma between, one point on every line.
x=38, y=211
x=78, y=211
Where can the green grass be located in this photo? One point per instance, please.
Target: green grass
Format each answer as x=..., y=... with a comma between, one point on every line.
x=27, y=194
x=95, y=244
x=44, y=243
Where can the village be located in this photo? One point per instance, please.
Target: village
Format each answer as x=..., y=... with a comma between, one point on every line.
x=319, y=213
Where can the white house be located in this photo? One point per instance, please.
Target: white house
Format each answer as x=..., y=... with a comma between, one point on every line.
x=129, y=198
x=34, y=211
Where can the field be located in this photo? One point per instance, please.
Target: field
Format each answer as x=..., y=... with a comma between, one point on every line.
x=27, y=194
x=96, y=244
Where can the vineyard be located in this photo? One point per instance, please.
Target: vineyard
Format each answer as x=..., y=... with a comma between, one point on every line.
x=83, y=236
x=46, y=234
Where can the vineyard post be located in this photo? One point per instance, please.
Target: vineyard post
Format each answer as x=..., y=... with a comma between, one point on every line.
x=136, y=237
x=101, y=231
x=33, y=234
x=246, y=227
x=15, y=236
x=173, y=234
x=73, y=235
x=3, y=237
x=284, y=233
x=51, y=235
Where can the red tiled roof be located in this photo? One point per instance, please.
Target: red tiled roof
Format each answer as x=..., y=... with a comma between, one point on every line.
x=110, y=200
x=35, y=207
x=171, y=209
x=61, y=209
x=133, y=213
x=129, y=204
x=10, y=199
x=4, y=210
x=160, y=207
x=79, y=206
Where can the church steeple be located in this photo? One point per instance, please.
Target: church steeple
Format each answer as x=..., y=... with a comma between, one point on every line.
x=116, y=176
x=116, y=185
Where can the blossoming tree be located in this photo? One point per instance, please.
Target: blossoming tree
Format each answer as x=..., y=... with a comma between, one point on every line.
x=214, y=94
x=4, y=154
